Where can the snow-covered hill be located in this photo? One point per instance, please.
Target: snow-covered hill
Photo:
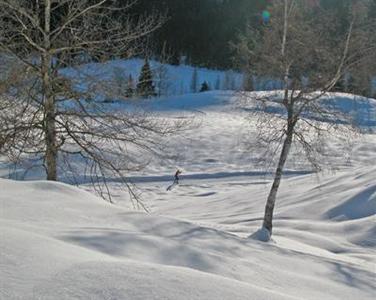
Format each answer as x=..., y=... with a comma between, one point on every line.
x=62, y=242
x=58, y=242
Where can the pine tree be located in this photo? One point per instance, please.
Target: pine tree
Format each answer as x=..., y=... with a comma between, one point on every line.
x=145, y=85
x=204, y=87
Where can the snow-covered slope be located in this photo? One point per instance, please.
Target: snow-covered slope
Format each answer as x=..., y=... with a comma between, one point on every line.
x=221, y=143
x=59, y=242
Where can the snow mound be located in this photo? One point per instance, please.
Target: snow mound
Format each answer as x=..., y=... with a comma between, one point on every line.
x=359, y=206
x=262, y=235
x=127, y=280
x=83, y=248
x=86, y=249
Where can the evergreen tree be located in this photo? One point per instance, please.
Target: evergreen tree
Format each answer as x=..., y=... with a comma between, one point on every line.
x=204, y=87
x=145, y=85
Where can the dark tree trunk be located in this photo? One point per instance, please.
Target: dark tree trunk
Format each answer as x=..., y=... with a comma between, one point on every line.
x=270, y=203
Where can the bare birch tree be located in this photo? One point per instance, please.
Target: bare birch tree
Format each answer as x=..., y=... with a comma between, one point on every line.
x=55, y=120
x=306, y=52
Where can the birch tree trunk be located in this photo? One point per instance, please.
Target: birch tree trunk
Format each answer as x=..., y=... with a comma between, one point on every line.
x=270, y=203
x=48, y=99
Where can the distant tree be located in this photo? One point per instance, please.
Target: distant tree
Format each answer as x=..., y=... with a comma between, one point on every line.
x=204, y=87
x=300, y=41
x=145, y=85
x=194, y=81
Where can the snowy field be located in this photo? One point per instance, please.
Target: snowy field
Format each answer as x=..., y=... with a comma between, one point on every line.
x=62, y=242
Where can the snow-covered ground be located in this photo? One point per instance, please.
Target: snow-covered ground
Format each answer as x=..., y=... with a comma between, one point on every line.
x=62, y=242
x=59, y=242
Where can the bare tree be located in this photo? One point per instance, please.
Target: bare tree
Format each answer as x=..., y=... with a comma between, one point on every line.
x=306, y=51
x=57, y=121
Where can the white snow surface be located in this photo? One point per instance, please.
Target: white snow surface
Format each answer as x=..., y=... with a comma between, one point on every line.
x=59, y=242
x=62, y=242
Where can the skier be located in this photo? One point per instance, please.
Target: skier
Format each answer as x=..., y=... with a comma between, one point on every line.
x=176, y=180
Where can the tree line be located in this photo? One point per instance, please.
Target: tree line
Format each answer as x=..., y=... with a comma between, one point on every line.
x=200, y=32
x=208, y=33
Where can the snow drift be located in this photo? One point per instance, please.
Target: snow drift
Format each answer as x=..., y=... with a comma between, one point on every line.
x=61, y=242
